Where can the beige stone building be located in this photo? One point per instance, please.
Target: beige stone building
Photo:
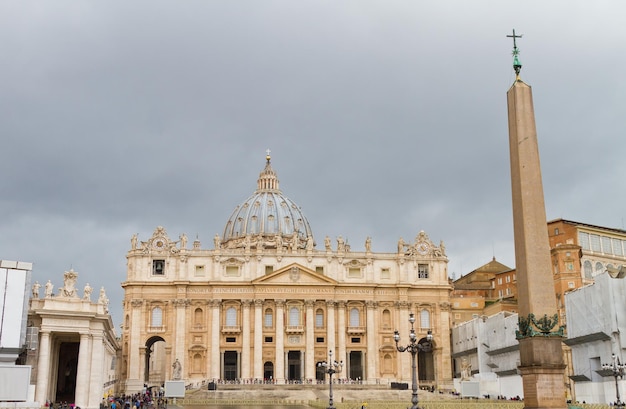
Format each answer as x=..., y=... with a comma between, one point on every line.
x=71, y=344
x=266, y=305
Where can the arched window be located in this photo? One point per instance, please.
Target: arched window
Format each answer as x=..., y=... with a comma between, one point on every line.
x=355, y=319
x=269, y=318
x=588, y=269
x=197, y=316
x=387, y=364
x=231, y=317
x=127, y=321
x=599, y=268
x=424, y=319
x=294, y=316
x=157, y=317
x=319, y=318
x=386, y=319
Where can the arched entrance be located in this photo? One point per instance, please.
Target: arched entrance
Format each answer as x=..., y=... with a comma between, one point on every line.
x=154, y=373
x=426, y=362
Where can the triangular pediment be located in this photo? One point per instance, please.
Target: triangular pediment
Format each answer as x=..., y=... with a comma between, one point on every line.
x=295, y=274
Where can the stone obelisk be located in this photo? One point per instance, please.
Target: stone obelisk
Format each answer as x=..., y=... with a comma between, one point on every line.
x=539, y=334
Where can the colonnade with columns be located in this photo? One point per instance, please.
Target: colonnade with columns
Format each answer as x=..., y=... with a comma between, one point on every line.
x=89, y=369
x=253, y=351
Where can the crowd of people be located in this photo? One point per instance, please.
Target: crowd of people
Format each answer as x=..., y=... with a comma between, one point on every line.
x=144, y=400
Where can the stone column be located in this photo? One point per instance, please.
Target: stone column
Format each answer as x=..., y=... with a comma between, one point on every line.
x=330, y=329
x=181, y=332
x=134, y=345
x=43, y=369
x=96, y=378
x=83, y=371
x=403, y=327
x=441, y=331
x=541, y=354
x=258, y=339
x=341, y=334
x=215, y=339
x=372, y=343
x=279, y=371
x=245, y=339
x=309, y=354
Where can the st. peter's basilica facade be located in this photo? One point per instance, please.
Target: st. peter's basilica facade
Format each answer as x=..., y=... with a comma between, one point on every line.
x=265, y=305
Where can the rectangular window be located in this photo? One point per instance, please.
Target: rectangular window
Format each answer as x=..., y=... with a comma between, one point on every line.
x=356, y=340
x=269, y=270
x=570, y=266
x=231, y=339
x=384, y=273
x=606, y=245
x=269, y=339
x=508, y=291
x=474, y=304
x=595, y=242
x=508, y=279
x=422, y=271
x=269, y=322
x=199, y=271
x=583, y=240
x=354, y=272
x=617, y=247
x=158, y=267
x=499, y=280
x=319, y=270
x=500, y=293
x=232, y=271
x=319, y=340
x=570, y=284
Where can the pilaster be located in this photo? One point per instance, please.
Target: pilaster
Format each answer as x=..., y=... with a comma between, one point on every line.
x=372, y=342
x=215, y=339
x=245, y=341
x=279, y=372
x=258, y=339
x=309, y=354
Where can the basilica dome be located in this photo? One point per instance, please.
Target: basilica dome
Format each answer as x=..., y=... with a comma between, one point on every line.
x=267, y=219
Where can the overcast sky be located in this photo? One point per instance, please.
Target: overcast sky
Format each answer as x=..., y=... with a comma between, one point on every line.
x=384, y=118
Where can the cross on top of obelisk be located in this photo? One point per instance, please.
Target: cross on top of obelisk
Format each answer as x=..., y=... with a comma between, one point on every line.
x=517, y=65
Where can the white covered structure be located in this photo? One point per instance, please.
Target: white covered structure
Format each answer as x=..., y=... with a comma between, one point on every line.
x=485, y=351
x=14, y=379
x=596, y=321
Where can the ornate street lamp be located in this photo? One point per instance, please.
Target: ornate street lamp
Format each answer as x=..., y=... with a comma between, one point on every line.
x=414, y=348
x=618, y=371
x=331, y=367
